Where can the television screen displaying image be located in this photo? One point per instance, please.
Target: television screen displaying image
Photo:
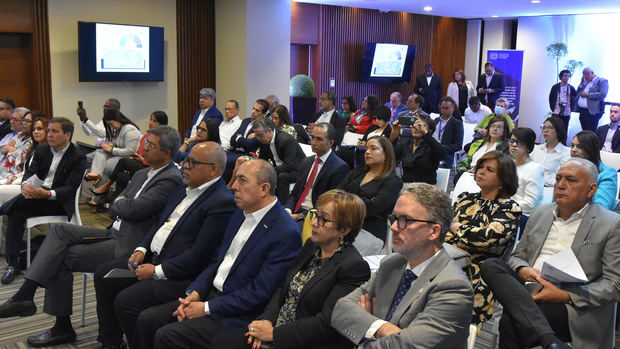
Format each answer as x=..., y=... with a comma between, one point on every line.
x=117, y=52
x=388, y=63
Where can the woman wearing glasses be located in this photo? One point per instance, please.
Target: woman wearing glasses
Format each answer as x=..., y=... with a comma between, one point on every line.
x=553, y=152
x=326, y=269
x=485, y=223
x=208, y=130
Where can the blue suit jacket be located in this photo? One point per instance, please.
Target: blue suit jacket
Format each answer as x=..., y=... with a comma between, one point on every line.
x=257, y=271
x=401, y=108
x=242, y=144
x=212, y=113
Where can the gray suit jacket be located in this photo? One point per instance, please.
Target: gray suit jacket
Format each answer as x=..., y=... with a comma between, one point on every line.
x=138, y=215
x=597, y=247
x=435, y=312
x=596, y=96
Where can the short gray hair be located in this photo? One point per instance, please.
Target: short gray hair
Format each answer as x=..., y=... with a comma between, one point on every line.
x=273, y=97
x=114, y=103
x=502, y=99
x=586, y=165
x=400, y=97
x=435, y=201
x=207, y=92
x=169, y=138
x=219, y=156
x=263, y=123
x=21, y=110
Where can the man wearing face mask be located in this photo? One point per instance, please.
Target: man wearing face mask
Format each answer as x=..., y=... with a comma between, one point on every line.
x=501, y=109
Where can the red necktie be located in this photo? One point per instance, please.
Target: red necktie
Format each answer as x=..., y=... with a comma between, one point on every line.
x=309, y=184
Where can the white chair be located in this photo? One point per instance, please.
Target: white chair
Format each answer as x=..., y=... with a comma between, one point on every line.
x=547, y=195
x=85, y=277
x=443, y=176
x=34, y=221
x=468, y=132
x=307, y=148
x=471, y=340
x=611, y=159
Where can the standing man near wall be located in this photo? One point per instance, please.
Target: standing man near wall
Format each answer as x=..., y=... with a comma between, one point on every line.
x=490, y=85
x=561, y=96
x=590, y=99
x=429, y=86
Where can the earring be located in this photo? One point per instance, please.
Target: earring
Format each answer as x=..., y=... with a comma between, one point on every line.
x=341, y=240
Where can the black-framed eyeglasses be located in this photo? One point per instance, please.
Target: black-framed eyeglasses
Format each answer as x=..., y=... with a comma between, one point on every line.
x=515, y=142
x=191, y=162
x=403, y=221
x=314, y=214
x=150, y=144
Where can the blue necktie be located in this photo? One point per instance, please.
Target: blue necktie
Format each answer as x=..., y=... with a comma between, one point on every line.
x=404, y=286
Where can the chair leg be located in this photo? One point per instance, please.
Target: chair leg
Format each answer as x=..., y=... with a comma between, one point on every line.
x=28, y=248
x=83, y=316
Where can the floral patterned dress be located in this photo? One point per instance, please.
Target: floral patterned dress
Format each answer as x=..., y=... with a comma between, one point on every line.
x=487, y=228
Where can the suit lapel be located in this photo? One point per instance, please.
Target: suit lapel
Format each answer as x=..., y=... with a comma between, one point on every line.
x=325, y=270
x=152, y=181
x=584, y=229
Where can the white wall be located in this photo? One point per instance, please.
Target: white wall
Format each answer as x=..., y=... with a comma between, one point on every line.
x=496, y=37
x=138, y=99
x=472, y=50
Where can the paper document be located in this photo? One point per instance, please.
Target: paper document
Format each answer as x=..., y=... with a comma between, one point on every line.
x=119, y=273
x=563, y=267
x=374, y=261
x=351, y=138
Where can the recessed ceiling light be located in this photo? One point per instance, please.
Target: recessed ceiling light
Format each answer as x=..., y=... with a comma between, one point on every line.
x=428, y=8
x=535, y=1
x=495, y=16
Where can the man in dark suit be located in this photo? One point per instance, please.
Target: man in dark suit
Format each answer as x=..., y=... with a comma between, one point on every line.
x=490, y=85
x=395, y=105
x=282, y=151
x=243, y=141
x=311, y=183
x=70, y=248
x=590, y=99
x=429, y=86
x=545, y=312
x=6, y=110
x=328, y=113
x=260, y=244
x=609, y=135
x=207, y=110
x=274, y=102
x=174, y=252
x=448, y=131
x=48, y=188
x=561, y=98
x=419, y=297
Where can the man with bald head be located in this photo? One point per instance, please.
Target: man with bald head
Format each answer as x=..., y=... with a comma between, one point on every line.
x=92, y=129
x=590, y=99
x=174, y=252
x=538, y=312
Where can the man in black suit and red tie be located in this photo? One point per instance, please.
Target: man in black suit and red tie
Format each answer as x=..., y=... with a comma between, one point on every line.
x=429, y=86
x=490, y=85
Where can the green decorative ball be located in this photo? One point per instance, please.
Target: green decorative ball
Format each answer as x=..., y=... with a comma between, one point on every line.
x=301, y=86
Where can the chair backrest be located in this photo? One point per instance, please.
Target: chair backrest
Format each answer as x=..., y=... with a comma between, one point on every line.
x=611, y=159
x=77, y=219
x=468, y=132
x=443, y=176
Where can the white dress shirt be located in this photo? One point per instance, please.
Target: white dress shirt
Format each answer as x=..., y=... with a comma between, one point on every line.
x=551, y=161
x=198, y=121
x=475, y=118
x=272, y=146
x=35, y=181
x=428, y=79
x=531, y=183
x=93, y=129
x=307, y=204
x=583, y=101
x=227, y=130
x=326, y=116
x=609, y=138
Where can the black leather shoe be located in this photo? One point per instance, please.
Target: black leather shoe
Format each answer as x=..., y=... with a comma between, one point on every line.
x=122, y=346
x=9, y=275
x=46, y=339
x=22, y=308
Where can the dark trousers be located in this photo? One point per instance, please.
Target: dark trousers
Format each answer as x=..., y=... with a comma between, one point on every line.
x=588, y=121
x=565, y=119
x=523, y=320
x=20, y=211
x=122, y=173
x=284, y=180
x=232, y=339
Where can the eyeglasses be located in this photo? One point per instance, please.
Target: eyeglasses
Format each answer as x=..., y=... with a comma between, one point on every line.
x=26, y=121
x=201, y=129
x=514, y=142
x=496, y=127
x=314, y=214
x=548, y=128
x=191, y=162
x=403, y=221
x=150, y=144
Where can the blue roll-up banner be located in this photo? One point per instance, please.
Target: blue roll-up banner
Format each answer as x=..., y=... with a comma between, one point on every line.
x=509, y=63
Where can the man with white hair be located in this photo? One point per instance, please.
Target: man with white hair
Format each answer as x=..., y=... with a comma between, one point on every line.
x=539, y=312
x=396, y=106
x=274, y=102
x=590, y=99
x=207, y=110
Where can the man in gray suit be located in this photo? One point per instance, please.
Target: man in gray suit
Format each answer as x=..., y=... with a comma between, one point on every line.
x=419, y=297
x=590, y=99
x=68, y=248
x=537, y=312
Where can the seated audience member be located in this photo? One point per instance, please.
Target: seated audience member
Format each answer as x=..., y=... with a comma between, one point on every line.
x=585, y=145
x=282, y=120
x=231, y=123
x=207, y=110
x=99, y=129
x=327, y=269
x=495, y=139
x=530, y=173
x=180, y=245
x=48, y=188
x=476, y=111
x=561, y=97
x=282, y=151
x=376, y=184
x=553, y=152
x=420, y=154
x=15, y=122
x=348, y=108
x=208, y=131
x=414, y=107
x=37, y=122
x=14, y=152
x=395, y=105
x=318, y=173
x=328, y=113
x=546, y=313
x=354, y=155
x=274, y=102
x=6, y=110
x=127, y=167
x=609, y=135
x=363, y=118
x=486, y=223
x=448, y=131
x=67, y=249
x=460, y=90
x=419, y=297
x=501, y=109
x=243, y=141
x=259, y=246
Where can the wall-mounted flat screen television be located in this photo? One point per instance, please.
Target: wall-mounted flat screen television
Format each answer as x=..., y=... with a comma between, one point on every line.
x=388, y=63
x=119, y=52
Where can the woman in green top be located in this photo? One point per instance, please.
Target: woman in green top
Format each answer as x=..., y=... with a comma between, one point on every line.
x=496, y=138
x=348, y=108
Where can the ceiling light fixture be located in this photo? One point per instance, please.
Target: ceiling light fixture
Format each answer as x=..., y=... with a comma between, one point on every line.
x=495, y=16
x=428, y=8
x=535, y=1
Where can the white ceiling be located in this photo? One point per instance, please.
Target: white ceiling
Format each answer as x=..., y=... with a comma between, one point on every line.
x=482, y=8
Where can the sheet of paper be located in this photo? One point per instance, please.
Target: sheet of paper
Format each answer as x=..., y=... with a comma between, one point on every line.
x=374, y=261
x=563, y=267
x=118, y=273
x=351, y=138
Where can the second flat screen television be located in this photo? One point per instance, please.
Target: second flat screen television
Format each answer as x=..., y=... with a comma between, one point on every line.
x=388, y=63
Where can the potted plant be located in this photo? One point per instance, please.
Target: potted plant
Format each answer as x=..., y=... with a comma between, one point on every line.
x=303, y=101
x=555, y=51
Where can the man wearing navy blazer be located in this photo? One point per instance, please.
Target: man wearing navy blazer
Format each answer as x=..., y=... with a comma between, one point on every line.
x=430, y=86
x=490, y=85
x=331, y=170
x=448, y=131
x=260, y=245
x=174, y=252
x=243, y=141
x=396, y=106
x=609, y=135
x=207, y=110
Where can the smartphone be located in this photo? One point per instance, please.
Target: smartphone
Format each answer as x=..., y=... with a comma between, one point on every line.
x=80, y=104
x=406, y=120
x=134, y=265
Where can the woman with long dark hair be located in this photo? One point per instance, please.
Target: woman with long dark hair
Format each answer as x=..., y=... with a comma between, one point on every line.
x=363, y=118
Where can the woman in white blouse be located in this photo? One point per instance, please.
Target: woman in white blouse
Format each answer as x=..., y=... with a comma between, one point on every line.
x=460, y=90
x=531, y=174
x=553, y=152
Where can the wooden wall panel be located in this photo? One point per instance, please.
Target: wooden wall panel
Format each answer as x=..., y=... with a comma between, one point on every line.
x=16, y=16
x=41, y=80
x=195, y=54
x=15, y=67
x=449, y=39
x=304, y=23
x=299, y=59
